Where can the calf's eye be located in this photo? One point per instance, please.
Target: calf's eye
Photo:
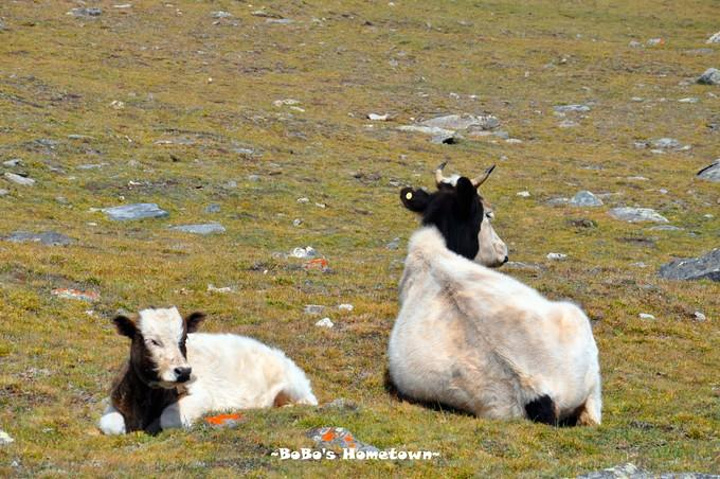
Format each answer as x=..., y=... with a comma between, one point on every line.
x=154, y=342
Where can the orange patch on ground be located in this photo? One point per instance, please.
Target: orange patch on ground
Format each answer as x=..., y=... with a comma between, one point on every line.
x=221, y=419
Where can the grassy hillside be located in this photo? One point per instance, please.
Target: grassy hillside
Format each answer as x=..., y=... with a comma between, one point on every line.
x=164, y=102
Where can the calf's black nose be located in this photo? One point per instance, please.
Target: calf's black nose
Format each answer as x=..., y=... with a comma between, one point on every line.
x=182, y=374
x=506, y=259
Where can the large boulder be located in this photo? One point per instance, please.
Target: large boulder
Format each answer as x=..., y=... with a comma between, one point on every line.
x=704, y=267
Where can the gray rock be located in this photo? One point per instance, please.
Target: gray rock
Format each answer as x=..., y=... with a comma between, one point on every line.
x=666, y=143
x=710, y=77
x=47, y=238
x=91, y=166
x=585, y=199
x=5, y=438
x=714, y=39
x=711, y=172
x=85, y=12
x=571, y=108
x=325, y=323
x=394, y=244
x=200, y=229
x=666, y=228
x=280, y=21
x=462, y=122
x=635, y=215
x=427, y=130
x=135, y=211
x=4, y=192
x=2, y=26
x=13, y=163
x=20, y=180
x=704, y=267
x=214, y=208
x=313, y=309
x=558, y=201
x=221, y=14
x=253, y=178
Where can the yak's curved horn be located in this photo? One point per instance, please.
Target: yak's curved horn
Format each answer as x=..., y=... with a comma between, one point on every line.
x=476, y=182
x=439, y=178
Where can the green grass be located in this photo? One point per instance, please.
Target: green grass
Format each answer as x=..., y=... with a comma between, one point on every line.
x=341, y=61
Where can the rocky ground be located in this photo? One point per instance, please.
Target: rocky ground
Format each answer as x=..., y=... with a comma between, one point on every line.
x=246, y=160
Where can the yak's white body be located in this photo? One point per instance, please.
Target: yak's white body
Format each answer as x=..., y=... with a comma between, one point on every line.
x=480, y=341
x=230, y=372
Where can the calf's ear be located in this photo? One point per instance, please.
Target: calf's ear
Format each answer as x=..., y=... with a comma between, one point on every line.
x=414, y=200
x=192, y=322
x=125, y=326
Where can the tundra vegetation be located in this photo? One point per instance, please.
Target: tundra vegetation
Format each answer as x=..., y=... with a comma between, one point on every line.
x=175, y=104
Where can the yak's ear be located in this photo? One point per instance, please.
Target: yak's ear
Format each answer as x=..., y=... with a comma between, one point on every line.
x=414, y=200
x=467, y=197
x=125, y=326
x=192, y=322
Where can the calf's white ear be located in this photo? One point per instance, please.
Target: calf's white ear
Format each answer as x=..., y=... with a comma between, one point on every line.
x=192, y=322
x=125, y=326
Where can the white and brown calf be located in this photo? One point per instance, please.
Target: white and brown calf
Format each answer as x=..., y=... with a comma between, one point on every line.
x=175, y=375
x=478, y=340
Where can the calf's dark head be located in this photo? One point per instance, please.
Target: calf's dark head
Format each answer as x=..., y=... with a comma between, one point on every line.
x=157, y=353
x=461, y=215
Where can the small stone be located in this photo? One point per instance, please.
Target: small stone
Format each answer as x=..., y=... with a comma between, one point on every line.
x=585, y=199
x=91, y=166
x=634, y=215
x=325, y=323
x=513, y=141
x=639, y=264
x=47, y=238
x=345, y=307
x=13, y=163
x=710, y=77
x=714, y=39
x=306, y=252
x=338, y=438
x=376, y=117
x=286, y=102
x=646, y=316
x=653, y=42
x=85, y=12
x=280, y=21
x=223, y=290
x=201, y=229
x=297, y=222
x=135, y=211
x=698, y=316
x=572, y=108
x=117, y=105
x=567, y=124
x=635, y=44
x=19, y=180
x=556, y=256
x=214, y=208
x=314, y=309
x=394, y=244
x=303, y=200
x=253, y=178
x=5, y=438
x=221, y=14
x=711, y=172
x=637, y=99
x=523, y=194
x=689, y=100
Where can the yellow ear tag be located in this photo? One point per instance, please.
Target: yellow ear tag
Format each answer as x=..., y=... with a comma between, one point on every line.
x=408, y=195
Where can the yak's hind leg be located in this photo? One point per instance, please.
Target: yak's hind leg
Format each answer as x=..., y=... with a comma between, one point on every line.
x=112, y=422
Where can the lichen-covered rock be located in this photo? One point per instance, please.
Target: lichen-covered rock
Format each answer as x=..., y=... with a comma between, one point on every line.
x=711, y=172
x=202, y=229
x=636, y=215
x=710, y=77
x=631, y=471
x=585, y=199
x=47, y=238
x=135, y=211
x=704, y=267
